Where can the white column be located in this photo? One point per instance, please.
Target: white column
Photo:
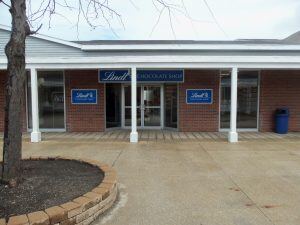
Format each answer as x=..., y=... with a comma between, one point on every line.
x=162, y=104
x=133, y=135
x=233, y=135
x=123, y=106
x=35, y=134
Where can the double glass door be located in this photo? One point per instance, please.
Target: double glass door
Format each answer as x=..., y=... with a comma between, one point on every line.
x=149, y=106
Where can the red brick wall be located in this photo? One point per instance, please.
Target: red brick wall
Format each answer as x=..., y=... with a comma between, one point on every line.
x=84, y=118
x=199, y=117
x=3, y=78
x=279, y=89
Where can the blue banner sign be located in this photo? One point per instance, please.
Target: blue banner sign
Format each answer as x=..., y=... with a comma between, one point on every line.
x=160, y=75
x=84, y=96
x=114, y=76
x=199, y=96
x=121, y=76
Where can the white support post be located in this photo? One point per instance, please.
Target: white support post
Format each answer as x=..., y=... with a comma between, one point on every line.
x=35, y=134
x=162, y=104
x=133, y=135
x=233, y=135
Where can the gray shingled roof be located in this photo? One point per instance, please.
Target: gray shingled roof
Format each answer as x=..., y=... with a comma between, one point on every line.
x=290, y=40
x=170, y=42
x=293, y=39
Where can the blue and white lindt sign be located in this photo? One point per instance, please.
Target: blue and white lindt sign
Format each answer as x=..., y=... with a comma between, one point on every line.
x=123, y=76
x=199, y=96
x=114, y=76
x=84, y=96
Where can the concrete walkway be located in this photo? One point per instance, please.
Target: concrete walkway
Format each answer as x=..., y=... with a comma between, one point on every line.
x=193, y=183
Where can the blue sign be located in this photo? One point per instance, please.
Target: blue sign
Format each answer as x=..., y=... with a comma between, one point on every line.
x=84, y=96
x=114, y=76
x=121, y=76
x=160, y=75
x=199, y=96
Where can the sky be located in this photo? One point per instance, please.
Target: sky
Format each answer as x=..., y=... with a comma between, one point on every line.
x=190, y=19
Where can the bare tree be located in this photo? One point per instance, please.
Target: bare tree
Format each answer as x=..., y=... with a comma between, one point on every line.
x=24, y=15
x=14, y=90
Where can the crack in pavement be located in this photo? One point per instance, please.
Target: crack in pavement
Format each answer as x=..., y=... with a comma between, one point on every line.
x=116, y=159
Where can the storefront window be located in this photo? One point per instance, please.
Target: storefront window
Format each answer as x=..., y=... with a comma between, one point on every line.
x=171, y=101
x=113, y=105
x=51, y=100
x=247, y=100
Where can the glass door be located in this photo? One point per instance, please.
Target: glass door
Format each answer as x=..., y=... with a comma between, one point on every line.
x=127, y=106
x=148, y=106
x=151, y=106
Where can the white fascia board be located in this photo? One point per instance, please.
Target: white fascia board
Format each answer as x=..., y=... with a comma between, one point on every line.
x=47, y=38
x=284, y=66
x=168, y=59
x=160, y=59
x=193, y=47
x=190, y=65
x=257, y=62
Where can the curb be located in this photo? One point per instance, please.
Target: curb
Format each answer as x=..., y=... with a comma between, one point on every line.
x=79, y=211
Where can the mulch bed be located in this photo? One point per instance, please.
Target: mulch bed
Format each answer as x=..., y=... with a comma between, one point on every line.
x=46, y=183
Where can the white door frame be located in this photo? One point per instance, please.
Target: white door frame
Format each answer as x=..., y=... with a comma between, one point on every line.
x=142, y=126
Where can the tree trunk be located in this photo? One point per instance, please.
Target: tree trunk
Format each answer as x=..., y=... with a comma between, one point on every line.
x=14, y=90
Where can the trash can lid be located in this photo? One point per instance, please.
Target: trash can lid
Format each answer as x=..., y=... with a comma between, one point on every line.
x=284, y=111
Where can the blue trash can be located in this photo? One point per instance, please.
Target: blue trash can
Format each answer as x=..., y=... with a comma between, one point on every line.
x=282, y=120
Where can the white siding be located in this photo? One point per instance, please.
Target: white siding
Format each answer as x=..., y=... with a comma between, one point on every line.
x=36, y=47
x=4, y=36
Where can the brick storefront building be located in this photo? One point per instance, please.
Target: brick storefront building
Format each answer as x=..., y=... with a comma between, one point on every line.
x=181, y=85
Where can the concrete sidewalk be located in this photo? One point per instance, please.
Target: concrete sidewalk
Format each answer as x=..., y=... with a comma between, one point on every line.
x=191, y=183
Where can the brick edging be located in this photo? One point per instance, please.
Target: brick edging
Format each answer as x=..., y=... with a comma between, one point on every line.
x=82, y=210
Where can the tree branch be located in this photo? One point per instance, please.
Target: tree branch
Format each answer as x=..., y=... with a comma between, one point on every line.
x=96, y=13
x=2, y=1
x=31, y=32
x=214, y=18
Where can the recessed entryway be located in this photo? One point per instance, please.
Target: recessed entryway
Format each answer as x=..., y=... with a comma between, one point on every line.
x=157, y=106
x=149, y=106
